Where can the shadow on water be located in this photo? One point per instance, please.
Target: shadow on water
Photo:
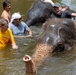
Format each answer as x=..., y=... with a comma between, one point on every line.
x=11, y=62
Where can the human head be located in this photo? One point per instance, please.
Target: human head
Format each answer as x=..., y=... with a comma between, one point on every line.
x=6, y=4
x=57, y=5
x=16, y=17
x=3, y=24
x=57, y=8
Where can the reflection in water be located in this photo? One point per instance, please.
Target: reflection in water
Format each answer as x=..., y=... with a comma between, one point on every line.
x=5, y=56
x=70, y=3
x=11, y=62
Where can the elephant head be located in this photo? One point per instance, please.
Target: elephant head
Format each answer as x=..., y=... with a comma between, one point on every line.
x=38, y=12
x=56, y=35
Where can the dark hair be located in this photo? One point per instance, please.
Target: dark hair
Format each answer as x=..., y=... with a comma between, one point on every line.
x=5, y=3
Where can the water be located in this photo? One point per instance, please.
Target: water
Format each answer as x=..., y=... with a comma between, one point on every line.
x=70, y=3
x=11, y=62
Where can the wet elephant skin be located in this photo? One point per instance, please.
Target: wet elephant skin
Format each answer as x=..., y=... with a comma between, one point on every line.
x=38, y=13
x=59, y=32
x=56, y=35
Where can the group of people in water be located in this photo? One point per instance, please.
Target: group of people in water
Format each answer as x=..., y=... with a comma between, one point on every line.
x=13, y=26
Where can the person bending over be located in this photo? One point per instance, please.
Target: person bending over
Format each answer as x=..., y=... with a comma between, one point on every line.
x=6, y=35
x=19, y=27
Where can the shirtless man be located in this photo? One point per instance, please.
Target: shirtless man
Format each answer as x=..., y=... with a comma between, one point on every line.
x=6, y=12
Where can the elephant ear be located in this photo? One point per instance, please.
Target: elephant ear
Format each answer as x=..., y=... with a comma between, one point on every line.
x=64, y=33
x=69, y=23
x=67, y=30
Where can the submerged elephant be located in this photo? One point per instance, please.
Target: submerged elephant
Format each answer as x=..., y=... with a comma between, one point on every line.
x=56, y=35
x=39, y=12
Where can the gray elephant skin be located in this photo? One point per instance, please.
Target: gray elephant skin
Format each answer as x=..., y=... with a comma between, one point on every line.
x=39, y=12
x=56, y=35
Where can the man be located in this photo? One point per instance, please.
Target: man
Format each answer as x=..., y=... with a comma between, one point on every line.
x=59, y=13
x=6, y=12
x=18, y=27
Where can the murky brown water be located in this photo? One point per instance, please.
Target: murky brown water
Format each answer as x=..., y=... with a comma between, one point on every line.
x=11, y=62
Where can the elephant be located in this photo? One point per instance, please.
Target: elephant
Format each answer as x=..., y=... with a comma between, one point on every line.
x=39, y=12
x=57, y=35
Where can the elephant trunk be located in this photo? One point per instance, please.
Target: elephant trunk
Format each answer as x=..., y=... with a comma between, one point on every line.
x=41, y=53
x=30, y=69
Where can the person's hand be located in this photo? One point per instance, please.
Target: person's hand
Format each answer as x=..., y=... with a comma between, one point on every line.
x=15, y=47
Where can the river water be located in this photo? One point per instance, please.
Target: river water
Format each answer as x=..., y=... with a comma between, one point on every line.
x=11, y=61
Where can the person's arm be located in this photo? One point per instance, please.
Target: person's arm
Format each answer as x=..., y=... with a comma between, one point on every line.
x=27, y=29
x=14, y=46
x=73, y=14
x=17, y=36
x=5, y=15
x=28, y=35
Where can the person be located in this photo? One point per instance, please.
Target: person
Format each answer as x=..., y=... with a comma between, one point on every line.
x=19, y=27
x=6, y=12
x=61, y=13
x=64, y=8
x=6, y=35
